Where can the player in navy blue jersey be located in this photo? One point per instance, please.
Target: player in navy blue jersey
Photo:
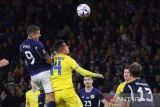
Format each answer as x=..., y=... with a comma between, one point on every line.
x=90, y=96
x=137, y=93
x=38, y=62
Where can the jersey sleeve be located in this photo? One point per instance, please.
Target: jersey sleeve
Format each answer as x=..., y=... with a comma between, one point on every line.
x=72, y=63
x=80, y=70
x=119, y=89
x=27, y=98
x=21, y=54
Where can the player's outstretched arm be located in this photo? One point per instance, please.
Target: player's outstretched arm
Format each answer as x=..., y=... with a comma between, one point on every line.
x=82, y=71
x=87, y=73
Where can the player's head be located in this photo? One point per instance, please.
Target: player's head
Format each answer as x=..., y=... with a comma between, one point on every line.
x=88, y=81
x=126, y=74
x=61, y=47
x=135, y=69
x=33, y=32
x=33, y=86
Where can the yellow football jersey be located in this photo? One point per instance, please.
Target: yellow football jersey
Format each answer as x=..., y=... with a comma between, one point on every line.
x=120, y=87
x=32, y=98
x=61, y=73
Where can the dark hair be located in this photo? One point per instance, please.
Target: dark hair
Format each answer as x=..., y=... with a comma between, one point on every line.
x=135, y=69
x=32, y=29
x=126, y=66
x=58, y=44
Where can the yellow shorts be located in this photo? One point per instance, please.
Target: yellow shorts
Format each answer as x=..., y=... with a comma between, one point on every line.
x=67, y=98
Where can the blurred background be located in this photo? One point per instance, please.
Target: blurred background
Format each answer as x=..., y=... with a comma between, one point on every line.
x=116, y=33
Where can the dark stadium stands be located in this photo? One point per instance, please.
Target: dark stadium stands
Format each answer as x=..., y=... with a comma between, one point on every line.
x=116, y=33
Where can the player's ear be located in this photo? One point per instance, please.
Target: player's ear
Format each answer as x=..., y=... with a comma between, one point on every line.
x=31, y=35
x=91, y=79
x=83, y=82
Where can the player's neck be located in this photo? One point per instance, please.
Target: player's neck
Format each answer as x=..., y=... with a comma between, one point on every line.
x=32, y=38
x=135, y=78
x=29, y=37
x=33, y=89
x=128, y=80
x=88, y=89
x=62, y=53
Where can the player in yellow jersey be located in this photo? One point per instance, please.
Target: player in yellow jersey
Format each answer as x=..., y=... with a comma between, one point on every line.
x=33, y=97
x=61, y=77
x=127, y=78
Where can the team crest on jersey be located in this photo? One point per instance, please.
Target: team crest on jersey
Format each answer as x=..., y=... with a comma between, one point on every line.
x=82, y=96
x=92, y=96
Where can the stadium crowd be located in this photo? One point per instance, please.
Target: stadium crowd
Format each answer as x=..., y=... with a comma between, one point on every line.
x=116, y=33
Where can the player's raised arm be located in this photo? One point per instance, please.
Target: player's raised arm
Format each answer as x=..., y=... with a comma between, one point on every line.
x=22, y=56
x=43, y=54
x=83, y=71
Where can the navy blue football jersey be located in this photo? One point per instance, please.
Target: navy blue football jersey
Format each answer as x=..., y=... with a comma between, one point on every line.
x=138, y=94
x=90, y=99
x=33, y=52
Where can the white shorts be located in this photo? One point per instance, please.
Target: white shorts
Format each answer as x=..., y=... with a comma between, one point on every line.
x=42, y=81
